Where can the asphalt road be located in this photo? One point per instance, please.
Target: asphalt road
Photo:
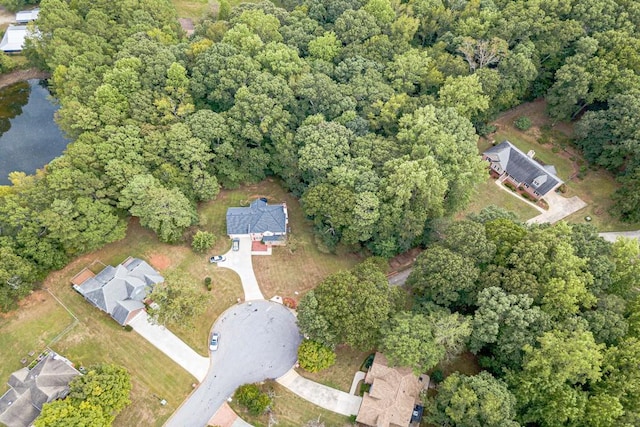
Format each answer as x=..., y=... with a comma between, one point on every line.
x=258, y=340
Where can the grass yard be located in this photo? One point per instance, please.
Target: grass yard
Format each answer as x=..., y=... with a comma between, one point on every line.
x=194, y=9
x=595, y=186
x=487, y=193
x=291, y=411
x=340, y=375
x=284, y=272
x=30, y=328
x=96, y=338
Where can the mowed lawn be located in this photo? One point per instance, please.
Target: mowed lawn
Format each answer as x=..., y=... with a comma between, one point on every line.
x=340, y=375
x=290, y=410
x=96, y=338
x=285, y=273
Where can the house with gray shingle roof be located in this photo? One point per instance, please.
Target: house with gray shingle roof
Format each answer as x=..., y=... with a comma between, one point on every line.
x=260, y=220
x=120, y=291
x=514, y=166
x=31, y=388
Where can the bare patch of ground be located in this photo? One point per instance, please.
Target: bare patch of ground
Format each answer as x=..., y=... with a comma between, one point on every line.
x=21, y=75
x=159, y=261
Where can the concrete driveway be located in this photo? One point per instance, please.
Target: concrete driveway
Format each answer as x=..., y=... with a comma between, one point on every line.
x=240, y=262
x=326, y=397
x=258, y=341
x=176, y=349
x=559, y=208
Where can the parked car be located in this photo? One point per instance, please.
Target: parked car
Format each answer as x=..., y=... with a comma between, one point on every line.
x=235, y=244
x=217, y=258
x=215, y=339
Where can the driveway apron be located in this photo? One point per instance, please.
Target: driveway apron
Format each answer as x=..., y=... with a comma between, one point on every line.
x=240, y=262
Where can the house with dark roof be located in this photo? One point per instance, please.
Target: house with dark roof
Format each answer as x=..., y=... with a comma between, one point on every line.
x=120, y=291
x=260, y=220
x=29, y=389
x=512, y=165
x=392, y=397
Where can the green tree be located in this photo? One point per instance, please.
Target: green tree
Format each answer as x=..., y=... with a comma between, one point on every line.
x=421, y=341
x=347, y=307
x=444, y=277
x=250, y=396
x=202, y=241
x=167, y=212
x=407, y=340
x=550, y=387
x=176, y=301
x=473, y=401
x=503, y=324
x=314, y=356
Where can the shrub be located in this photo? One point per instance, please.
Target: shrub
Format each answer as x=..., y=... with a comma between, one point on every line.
x=522, y=123
x=289, y=303
x=485, y=129
x=128, y=328
x=314, y=356
x=251, y=397
x=207, y=283
x=202, y=241
x=510, y=186
x=528, y=196
x=437, y=376
x=563, y=188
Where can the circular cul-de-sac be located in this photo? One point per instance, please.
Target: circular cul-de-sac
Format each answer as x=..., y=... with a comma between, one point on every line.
x=258, y=341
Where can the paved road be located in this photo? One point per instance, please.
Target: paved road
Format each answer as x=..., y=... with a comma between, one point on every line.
x=171, y=345
x=326, y=397
x=613, y=235
x=240, y=262
x=400, y=278
x=258, y=340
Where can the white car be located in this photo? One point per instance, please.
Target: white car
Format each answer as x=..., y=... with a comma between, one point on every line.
x=215, y=340
x=217, y=258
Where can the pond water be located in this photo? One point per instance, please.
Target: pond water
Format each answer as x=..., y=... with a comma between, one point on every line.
x=29, y=138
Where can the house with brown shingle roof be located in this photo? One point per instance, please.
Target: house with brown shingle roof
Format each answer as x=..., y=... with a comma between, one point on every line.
x=392, y=396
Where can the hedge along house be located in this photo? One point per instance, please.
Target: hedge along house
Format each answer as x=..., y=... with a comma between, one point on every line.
x=512, y=165
x=120, y=291
x=261, y=221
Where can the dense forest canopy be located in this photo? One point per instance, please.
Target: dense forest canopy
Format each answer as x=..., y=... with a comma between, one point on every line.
x=551, y=312
x=367, y=110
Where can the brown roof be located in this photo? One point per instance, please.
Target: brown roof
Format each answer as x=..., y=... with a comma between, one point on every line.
x=393, y=394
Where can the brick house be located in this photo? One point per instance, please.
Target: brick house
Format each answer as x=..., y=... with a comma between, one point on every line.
x=512, y=165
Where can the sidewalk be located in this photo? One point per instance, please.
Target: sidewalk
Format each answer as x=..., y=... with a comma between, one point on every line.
x=321, y=395
x=240, y=262
x=171, y=345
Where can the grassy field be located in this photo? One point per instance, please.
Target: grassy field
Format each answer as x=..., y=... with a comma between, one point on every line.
x=291, y=411
x=194, y=9
x=340, y=375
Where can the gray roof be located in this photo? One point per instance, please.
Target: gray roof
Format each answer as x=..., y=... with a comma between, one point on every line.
x=120, y=290
x=30, y=389
x=24, y=16
x=13, y=39
x=523, y=168
x=259, y=217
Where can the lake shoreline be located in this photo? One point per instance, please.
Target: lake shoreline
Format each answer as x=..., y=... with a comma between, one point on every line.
x=22, y=75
